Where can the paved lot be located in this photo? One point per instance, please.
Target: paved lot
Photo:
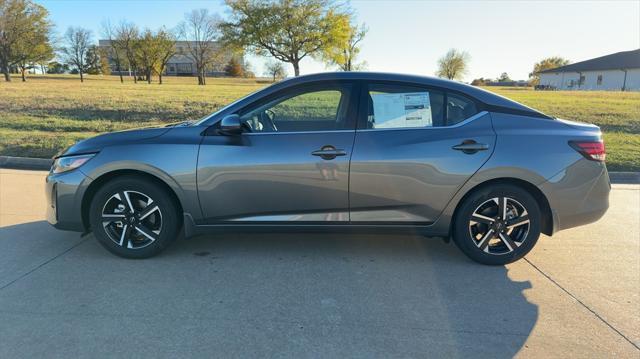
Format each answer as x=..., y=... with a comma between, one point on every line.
x=314, y=295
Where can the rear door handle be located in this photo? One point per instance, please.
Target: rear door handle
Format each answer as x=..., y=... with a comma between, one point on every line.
x=470, y=146
x=329, y=152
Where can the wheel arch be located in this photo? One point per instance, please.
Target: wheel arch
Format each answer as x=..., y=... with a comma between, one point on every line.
x=546, y=226
x=108, y=176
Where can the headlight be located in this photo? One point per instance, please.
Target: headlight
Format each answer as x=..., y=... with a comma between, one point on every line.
x=64, y=164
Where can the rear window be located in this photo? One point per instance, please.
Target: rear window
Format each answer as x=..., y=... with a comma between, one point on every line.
x=459, y=108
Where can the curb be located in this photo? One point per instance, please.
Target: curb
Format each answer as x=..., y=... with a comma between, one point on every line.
x=624, y=177
x=44, y=164
x=26, y=163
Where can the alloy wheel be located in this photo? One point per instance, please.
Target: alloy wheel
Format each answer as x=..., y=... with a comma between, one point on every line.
x=131, y=219
x=499, y=225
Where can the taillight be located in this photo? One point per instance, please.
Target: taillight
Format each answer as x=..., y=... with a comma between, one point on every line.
x=591, y=150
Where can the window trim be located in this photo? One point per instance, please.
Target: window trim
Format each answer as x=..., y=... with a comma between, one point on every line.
x=459, y=124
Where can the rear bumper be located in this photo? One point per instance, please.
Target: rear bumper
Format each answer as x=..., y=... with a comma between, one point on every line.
x=578, y=195
x=64, y=199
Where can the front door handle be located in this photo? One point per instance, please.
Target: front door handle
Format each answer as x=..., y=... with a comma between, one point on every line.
x=328, y=152
x=470, y=146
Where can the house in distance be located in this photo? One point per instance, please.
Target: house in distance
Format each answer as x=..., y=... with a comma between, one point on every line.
x=615, y=72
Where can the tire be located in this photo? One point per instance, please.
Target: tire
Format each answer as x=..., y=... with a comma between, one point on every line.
x=482, y=233
x=153, y=225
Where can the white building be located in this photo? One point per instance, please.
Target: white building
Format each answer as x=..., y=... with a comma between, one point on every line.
x=617, y=72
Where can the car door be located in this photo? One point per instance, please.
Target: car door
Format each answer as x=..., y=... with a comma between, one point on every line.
x=291, y=164
x=415, y=147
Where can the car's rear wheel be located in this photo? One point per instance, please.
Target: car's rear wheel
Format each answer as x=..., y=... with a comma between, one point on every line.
x=497, y=224
x=133, y=217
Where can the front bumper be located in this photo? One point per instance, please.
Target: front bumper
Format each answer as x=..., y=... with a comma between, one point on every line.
x=578, y=195
x=64, y=192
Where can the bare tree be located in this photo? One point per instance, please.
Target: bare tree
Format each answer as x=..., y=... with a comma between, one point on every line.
x=114, y=50
x=201, y=30
x=275, y=69
x=453, y=65
x=77, y=41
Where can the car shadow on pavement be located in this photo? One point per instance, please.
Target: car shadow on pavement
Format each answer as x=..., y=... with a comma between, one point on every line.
x=275, y=294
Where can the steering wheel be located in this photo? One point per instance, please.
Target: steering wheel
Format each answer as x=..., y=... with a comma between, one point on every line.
x=267, y=117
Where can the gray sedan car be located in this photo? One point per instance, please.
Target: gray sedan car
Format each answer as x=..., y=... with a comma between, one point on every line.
x=340, y=151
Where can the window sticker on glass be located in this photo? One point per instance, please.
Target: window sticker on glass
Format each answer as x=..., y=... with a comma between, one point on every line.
x=401, y=110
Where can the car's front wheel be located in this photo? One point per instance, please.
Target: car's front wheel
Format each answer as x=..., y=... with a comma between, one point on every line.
x=133, y=217
x=497, y=224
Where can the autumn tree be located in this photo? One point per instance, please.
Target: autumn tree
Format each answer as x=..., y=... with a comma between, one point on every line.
x=275, y=69
x=234, y=68
x=546, y=64
x=453, y=65
x=288, y=30
x=77, y=42
x=24, y=35
x=201, y=31
x=154, y=51
x=165, y=42
x=344, y=53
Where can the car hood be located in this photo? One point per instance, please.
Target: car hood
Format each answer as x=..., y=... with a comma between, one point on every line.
x=95, y=144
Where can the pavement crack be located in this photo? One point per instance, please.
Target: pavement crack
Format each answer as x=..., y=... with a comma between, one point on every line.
x=43, y=264
x=584, y=305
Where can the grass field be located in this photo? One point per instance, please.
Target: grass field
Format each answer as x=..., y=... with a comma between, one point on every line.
x=45, y=114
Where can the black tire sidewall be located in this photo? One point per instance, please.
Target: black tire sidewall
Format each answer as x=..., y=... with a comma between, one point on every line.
x=170, y=221
x=462, y=237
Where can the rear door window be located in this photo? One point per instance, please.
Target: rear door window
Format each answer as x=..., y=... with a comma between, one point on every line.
x=401, y=106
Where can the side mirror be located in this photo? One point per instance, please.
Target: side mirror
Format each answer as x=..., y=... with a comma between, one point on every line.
x=230, y=125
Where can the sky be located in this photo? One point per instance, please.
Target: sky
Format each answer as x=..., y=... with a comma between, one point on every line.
x=410, y=36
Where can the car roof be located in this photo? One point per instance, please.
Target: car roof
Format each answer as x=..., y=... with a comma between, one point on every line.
x=488, y=98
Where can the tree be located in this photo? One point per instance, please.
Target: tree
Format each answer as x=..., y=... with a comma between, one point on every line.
x=275, y=69
x=127, y=39
x=453, y=65
x=288, y=30
x=28, y=55
x=115, y=50
x=147, y=54
x=234, y=68
x=201, y=30
x=77, y=43
x=166, y=43
x=344, y=54
x=504, y=77
x=24, y=35
x=546, y=64
x=93, y=64
x=57, y=68
x=480, y=82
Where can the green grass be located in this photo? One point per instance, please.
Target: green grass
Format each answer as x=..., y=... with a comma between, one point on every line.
x=48, y=113
x=617, y=114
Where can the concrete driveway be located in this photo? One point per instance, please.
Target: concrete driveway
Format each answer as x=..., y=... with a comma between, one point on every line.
x=314, y=295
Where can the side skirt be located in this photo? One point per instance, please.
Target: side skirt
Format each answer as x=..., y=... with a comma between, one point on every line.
x=192, y=229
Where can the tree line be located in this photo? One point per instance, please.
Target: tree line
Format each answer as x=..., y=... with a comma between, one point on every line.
x=288, y=31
